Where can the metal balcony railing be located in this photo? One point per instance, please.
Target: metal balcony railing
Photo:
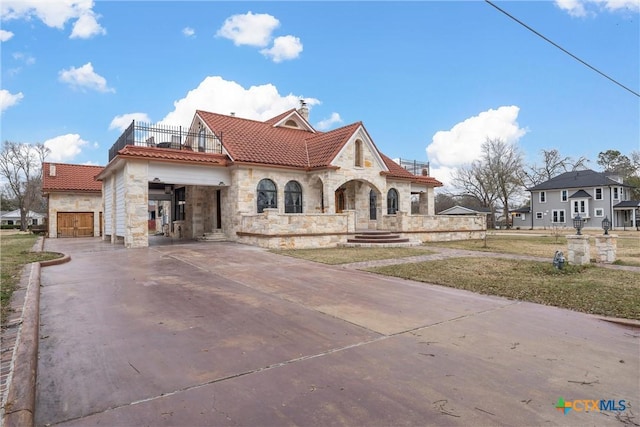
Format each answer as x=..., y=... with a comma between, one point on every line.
x=167, y=137
x=415, y=167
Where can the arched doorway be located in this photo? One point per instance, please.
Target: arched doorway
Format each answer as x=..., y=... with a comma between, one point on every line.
x=373, y=205
x=340, y=200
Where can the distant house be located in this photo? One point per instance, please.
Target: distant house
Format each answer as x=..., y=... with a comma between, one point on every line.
x=13, y=218
x=520, y=216
x=592, y=195
x=463, y=210
x=74, y=199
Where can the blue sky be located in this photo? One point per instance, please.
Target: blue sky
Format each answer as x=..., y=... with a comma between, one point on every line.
x=430, y=80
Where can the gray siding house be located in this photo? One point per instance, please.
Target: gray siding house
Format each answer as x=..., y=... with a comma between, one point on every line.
x=592, y=195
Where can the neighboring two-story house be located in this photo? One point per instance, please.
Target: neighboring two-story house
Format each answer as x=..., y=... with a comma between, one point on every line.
x=592, y=195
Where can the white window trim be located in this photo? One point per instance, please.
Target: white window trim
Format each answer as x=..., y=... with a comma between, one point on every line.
x=595, y=212
x=540, y=197
x=564, y=195
x=539, y=215
x=614, y=191
x=564, y=216
x=576, y=202
x=595, y=193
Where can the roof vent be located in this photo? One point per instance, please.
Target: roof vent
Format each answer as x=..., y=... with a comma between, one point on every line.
x=52, y=170
x=233, y=114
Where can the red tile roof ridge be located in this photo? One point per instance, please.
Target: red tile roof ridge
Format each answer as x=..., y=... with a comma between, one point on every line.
x=172, y=154
x=70, y=177
x=276, y=119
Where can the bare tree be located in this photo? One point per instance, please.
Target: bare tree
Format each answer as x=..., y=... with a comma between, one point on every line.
x=553, y=164
x=21, y=167
x=503, y=163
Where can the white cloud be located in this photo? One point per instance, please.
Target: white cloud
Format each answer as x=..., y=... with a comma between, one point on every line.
x=122, y=122
x=327, y=123
x=249, y=29
x=188, y=32
x=217, y=95
x=462, y=143
x=86, y=27
x=85, y=78
x=24, y=57
x=285, y=47
x=8, y=99
x=55, y=14
x=5, y=35
x=582, y=8
x=64, y=147
x=90, y=163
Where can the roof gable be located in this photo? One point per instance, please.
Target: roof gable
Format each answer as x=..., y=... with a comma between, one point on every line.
x=69, y=177
x=291, y=119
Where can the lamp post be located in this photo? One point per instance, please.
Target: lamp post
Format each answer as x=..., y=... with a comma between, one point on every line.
x=606, y=225
x=577, y=224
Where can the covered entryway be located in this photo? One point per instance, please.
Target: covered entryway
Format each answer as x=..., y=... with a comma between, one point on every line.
x=75, y=224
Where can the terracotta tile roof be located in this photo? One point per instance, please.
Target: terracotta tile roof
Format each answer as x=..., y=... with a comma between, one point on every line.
x=172, y=155
x=397, y=171
x=272, y=121
x=69, y=177
x=251, y=141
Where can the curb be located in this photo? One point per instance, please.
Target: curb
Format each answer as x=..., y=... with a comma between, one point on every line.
x=624, y=322
x=21, y=394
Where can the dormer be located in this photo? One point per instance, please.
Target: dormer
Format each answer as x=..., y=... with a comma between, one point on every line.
x=296, y=119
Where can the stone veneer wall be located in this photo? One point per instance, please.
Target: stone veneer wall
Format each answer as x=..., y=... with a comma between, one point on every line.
x=606, y=248
x=436, y=228
x=74, y=202
x=136, y=205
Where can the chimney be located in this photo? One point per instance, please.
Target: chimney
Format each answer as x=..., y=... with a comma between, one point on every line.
x=52, y=170
x=304, y=110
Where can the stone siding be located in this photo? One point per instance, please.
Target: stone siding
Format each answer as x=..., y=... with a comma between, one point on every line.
x=606, y=248
x=74, y=202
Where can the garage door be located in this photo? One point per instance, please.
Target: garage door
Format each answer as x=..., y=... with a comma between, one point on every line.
x=75, y=224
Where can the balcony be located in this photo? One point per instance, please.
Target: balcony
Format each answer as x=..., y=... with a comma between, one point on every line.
x=415, y=167
x=167, y=137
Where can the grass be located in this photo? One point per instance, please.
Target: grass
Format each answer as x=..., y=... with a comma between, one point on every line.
x=15, y=251
x=628, y=249
x=587, y=289
x=348, y=255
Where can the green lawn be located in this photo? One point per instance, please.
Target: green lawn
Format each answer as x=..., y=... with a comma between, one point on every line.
x=15, y=253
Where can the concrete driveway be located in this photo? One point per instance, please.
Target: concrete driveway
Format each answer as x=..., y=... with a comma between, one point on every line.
x=226, y=334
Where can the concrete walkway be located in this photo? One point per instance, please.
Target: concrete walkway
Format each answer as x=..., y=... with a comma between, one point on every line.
x=227, y=334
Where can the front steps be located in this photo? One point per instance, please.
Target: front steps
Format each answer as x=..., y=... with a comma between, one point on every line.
x=216, y=236
x=377, y=239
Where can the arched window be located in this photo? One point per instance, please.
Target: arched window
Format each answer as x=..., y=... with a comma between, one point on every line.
x=292, y=197
x=392, y=201
x=267, y=195
x=359, y=158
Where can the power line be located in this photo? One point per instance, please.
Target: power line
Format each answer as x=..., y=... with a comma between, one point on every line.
x=563, y=49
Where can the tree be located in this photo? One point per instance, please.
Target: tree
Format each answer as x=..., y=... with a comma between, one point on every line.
x=553, y=164
x=504, y=166
x=627, y=167
x=21, y=167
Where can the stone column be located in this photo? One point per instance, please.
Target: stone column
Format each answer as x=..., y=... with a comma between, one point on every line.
x=606, y=246
x=578, y=249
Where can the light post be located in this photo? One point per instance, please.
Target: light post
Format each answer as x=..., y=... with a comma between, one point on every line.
x=606, y=225
x=577, y=224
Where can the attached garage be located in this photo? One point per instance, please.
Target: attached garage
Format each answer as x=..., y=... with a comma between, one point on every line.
x=75, y=224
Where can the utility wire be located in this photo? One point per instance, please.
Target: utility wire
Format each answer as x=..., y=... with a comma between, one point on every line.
x=563, y=49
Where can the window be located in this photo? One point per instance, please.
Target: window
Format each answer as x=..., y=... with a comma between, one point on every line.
x=557, y=216
x=616, y=193
x=564, y=195
x=599, y=212
x=267, y=195
x=179, y=203
x=201, y=140
x=538, y=215
x=598, y=193
x=580, y=207
x=292, y=197
x=359, y=161
x=543, y=197
x=392, y=201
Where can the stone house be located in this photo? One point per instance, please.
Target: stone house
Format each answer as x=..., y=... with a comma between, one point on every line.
x=278, y=183
x=74, y=199
x=590, y=194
